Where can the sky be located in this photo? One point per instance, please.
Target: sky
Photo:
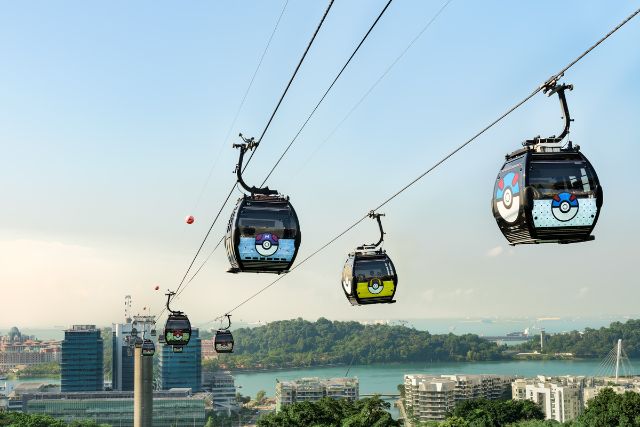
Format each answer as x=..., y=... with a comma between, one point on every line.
x=113, y=115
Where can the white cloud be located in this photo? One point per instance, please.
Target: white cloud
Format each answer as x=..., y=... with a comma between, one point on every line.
x=494, y=252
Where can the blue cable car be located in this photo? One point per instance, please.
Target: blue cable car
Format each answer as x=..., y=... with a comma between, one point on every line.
x=546, y=192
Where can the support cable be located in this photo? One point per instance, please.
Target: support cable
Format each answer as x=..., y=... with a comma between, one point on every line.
x=554, y=77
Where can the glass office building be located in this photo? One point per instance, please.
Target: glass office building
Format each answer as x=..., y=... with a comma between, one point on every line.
x=184, y=369
x=170, y=408
x=81, y=360
x=122, y=358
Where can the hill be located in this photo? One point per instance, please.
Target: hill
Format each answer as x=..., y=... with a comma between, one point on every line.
x=300, y=343
x=591, y=343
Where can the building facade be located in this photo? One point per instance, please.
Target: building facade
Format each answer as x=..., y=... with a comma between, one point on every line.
x=17, y=350
x=561, y=398
x=81, y=362
x=122, y=358
x=223, y=392
x=184, y=369
x=430, y=397
x=171, y=408
x=314, y=389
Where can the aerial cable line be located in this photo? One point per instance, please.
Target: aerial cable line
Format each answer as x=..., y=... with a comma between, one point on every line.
x=327, y=91
x=286, y=89
x=375, y=84
x=553, y=78
x=242, y=102
x=261, y=136
x=320, y=101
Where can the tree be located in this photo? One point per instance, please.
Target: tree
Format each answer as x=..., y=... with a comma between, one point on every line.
x=490, y=413
x=260, y=396
x=327, y=412
x=611, y=409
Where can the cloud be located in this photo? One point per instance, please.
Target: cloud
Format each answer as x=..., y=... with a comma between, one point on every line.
x=429, y=295
x=494, y=252
x=583, y=291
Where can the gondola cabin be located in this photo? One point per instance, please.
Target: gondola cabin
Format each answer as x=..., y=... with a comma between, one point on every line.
x=369, y=277
x=547, y=195
x=148, y=348
x=177, y=330
x=223, y=341
x=263, y=235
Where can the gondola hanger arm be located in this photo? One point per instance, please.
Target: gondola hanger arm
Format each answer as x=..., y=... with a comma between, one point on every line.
x=248, y=145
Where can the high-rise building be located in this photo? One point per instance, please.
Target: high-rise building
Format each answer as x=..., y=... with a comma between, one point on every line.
x=122, y=358
x=314, y=389
x=81, y=360
x=561, y=398
x=184, y=369
x=430, y=397
x=223, y=392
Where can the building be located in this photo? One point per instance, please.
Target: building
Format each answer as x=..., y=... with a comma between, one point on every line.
x=314, y=389
x=223, y=392
x=178, y=407
x=208, y=350
x=430, y=397
x=561, y=398
x=18, y=350
x=122, y=358
x=183, y=369
x=82, y=357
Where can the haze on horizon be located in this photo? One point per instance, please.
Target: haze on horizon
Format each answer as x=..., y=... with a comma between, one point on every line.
x=111, y=116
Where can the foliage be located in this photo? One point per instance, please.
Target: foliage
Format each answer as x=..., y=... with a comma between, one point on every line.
x=260, y=396
x=19, y=419
x=537, y=423
x=496, y=413
x=371, y=412
x=591, y=342
x=611, y=409
x=300, y=343
x=50, y=369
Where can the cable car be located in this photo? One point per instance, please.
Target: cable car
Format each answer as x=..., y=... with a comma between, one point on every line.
x=546, y=192
x=223, y=340
x=161, y=337
x=263, y=234
x=153, y=332
x=148, y=347
x=177, y=329
x=369, y=276
x=138, y=342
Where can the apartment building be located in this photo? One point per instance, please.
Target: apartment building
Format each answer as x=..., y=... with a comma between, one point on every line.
x=314, y=389
x=561, y=398
x=430, y=397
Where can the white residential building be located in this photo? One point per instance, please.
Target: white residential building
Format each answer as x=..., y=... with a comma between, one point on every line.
x=314, y=389
x=561, y=398
x=430, y=397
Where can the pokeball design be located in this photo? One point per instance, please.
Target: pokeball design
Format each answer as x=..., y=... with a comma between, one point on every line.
x=267, y=244
x=508, y=197
x=564, y=206
x=375, y=286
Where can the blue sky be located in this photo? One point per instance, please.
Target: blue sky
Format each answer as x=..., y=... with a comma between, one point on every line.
x=112, y=115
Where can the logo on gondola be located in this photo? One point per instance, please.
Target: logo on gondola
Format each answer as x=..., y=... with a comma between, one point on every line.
x=508, y=197
x=266, y=244
x=564, y=206
x=375, y=286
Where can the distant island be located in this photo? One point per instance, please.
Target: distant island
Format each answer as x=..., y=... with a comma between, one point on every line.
x=299, y=343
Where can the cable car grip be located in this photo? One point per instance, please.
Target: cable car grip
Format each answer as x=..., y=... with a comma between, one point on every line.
x=170, y=295
x=247, y=145
x=549, y=88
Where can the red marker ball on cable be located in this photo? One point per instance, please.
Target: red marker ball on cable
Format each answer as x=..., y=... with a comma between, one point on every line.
x=190, y=219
